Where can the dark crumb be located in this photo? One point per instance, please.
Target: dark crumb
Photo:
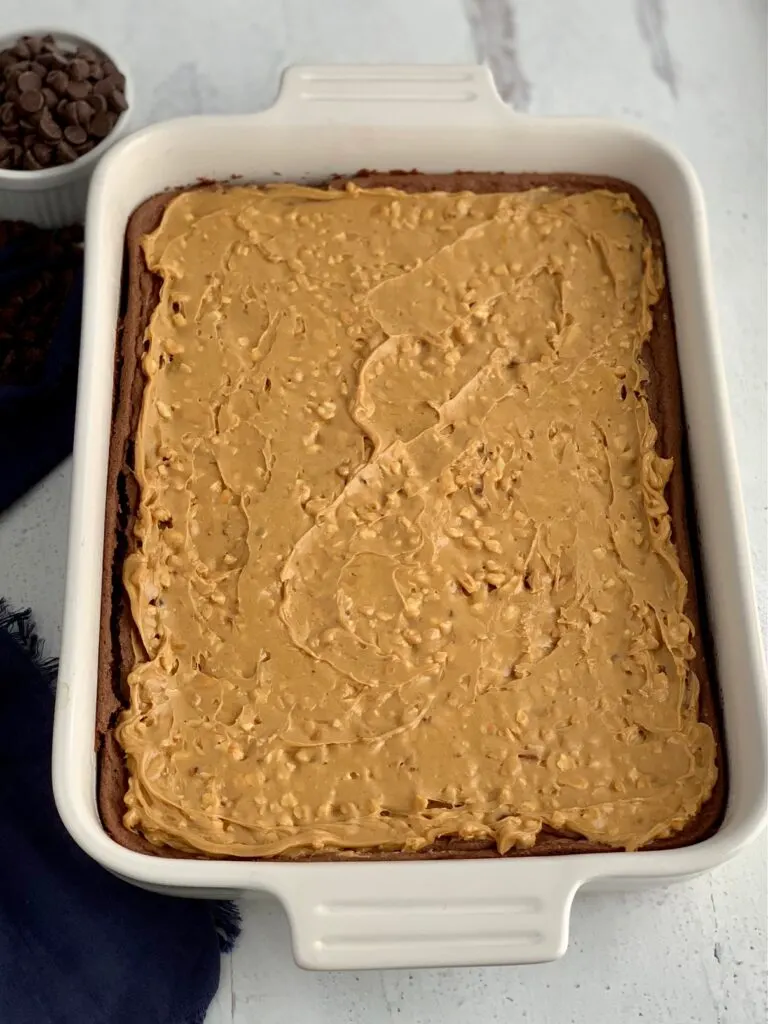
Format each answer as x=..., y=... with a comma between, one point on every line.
x=37, y=269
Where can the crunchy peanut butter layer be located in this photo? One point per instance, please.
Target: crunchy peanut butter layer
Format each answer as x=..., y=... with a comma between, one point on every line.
x=404, y=566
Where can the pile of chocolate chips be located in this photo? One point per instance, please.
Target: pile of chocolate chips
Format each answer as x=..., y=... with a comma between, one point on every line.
x=37, y=271
x=55, y=104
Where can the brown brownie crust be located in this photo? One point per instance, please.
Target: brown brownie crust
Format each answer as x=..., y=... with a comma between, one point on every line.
x=117, y=633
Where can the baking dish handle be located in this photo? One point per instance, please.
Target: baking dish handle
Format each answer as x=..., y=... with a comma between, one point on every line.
x=436, y=95
x=430, y=913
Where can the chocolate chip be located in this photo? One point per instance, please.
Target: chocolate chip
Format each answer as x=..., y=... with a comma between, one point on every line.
x=21, y=50
x=70, y=111
x=98, y=103
x=104, y=87
x=55, y=60
x=118, y=101
x=102, y=124
x=65, y=152
x=5, y=147
x=49, y=130
x=83, y=112
x=51, y=99
x=58, y=81
x=7, y=114
x=30, y=161
x=31, y=101
x=75, y=134
x=28, y=80
x=42, y=153
x=78, y=90
x=78, y=69
x=35, y=44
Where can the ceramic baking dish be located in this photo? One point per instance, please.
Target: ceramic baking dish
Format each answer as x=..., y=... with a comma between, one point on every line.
x=336, y=120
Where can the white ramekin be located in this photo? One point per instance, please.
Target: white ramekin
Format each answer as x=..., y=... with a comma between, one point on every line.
x=55, y=196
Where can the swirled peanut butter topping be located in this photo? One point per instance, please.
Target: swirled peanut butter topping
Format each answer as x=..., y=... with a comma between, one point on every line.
x=403, y=563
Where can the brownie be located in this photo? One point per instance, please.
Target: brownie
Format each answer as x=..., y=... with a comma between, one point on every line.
x=117, y=636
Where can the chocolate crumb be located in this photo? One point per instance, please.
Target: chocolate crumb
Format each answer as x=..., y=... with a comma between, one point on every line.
x=31, y=305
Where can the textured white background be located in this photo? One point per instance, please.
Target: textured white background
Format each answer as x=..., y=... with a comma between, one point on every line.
x=693, y=71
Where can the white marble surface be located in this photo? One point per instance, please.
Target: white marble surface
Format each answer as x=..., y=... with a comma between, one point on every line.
x=694, y=71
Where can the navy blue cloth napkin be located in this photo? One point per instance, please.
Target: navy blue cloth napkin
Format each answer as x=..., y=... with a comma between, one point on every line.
x=77, y=945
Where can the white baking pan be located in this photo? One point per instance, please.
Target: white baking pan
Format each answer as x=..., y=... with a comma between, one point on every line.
x=336, y=120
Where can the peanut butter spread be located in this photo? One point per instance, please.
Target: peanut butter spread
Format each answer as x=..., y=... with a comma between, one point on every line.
x=403, y=566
